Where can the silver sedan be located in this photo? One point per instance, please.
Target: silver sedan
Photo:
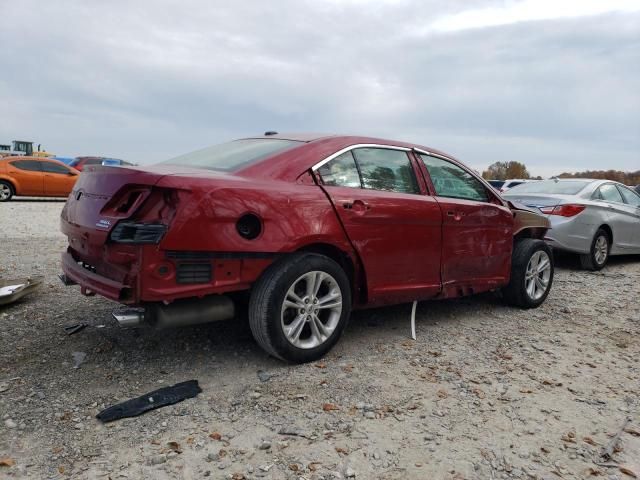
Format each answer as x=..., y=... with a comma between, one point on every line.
x=594, y=218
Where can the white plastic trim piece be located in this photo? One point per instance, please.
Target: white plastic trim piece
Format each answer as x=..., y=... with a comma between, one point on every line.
x=413, y=319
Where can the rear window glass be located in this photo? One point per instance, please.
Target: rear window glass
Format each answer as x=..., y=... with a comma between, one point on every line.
x=496, y=183
x=569, y=187
x=233, y=155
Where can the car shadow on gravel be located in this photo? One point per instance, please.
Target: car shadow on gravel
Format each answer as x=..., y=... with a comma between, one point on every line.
x=230, y=343
x=571, y=261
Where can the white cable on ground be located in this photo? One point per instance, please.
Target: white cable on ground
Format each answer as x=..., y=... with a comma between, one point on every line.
x=413, y=319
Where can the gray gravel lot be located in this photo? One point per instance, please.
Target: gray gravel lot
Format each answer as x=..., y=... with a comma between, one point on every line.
x=486, y=391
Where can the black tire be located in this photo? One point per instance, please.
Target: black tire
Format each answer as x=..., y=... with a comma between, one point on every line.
x=589, y=261
x=4, y=188
x=515, y=293
x=267, y=300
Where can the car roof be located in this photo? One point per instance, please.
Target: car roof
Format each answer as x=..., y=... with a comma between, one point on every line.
x=293, y=162
x=26, y=157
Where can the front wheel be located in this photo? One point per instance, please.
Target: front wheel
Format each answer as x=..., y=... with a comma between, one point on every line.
x=299, y=307
x=531, y=274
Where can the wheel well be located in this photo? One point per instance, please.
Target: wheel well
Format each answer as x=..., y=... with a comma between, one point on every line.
x=341, y=258
x=13, y=187
x=531, y=232
x=607, y=229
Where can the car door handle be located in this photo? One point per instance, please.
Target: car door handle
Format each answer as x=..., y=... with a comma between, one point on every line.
x=457, y=216
x=357, y=205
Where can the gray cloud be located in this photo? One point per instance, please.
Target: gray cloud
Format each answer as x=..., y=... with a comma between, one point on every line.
x=147, y=80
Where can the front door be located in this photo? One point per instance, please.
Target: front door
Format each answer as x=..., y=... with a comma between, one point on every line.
x=58, y=179
x=394, y=227
x=477, y=232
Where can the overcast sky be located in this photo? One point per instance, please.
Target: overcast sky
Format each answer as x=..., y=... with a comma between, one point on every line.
x=554, y=84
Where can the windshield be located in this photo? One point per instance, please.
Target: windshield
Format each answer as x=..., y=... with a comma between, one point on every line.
x=496, y=183
x=569, y=187
x=232, y=155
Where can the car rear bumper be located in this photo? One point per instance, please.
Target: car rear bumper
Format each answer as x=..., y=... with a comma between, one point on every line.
x=91, y=282
x=569, y=234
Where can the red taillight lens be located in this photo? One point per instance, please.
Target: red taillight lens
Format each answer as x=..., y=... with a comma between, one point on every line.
x=568, y=210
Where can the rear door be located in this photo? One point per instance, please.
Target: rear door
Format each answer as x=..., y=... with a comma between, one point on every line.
x=621, y=217
x=28, y=175
x=632, y=202
x=393, y=225
x=477, y=233
x=58, y=179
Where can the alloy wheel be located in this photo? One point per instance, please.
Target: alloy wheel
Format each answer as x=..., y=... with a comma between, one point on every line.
x=537, y=275
x=5, y=192
x=601, y=250
x=311, y=309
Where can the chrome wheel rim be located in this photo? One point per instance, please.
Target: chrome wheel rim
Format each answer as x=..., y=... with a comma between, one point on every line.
x=5, y=192
x=601, y=249
x=537, y=276
x=311, y=310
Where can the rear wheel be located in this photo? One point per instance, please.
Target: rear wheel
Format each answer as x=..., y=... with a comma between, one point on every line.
x=531, y=274
x=299, y=307
x=6, y=191
x=599, y=252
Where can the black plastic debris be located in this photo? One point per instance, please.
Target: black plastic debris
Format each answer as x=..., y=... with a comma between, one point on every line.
x=150, y=401
x=71, y=329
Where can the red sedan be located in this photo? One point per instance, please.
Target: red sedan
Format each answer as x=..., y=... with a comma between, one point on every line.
x=310, y=227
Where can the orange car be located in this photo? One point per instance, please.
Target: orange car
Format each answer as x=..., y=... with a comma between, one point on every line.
x=33, y=176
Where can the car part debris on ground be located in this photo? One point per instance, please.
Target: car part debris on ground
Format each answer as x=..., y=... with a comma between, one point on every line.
x=71, y=329
x=13, y=290
x=150, y=401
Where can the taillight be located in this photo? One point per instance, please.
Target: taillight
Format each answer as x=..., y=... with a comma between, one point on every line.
x=137, y=233
x=568, y=210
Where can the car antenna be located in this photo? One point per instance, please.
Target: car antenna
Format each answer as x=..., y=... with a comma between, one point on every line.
x=270, y=132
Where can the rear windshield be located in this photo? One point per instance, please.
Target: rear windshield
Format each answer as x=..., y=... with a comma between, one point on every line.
x=496, y=183
x=233, y=155
x=569, y=187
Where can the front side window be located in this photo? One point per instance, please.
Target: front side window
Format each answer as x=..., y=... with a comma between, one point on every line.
x=232, y=156
x=28, y=165
x=630, y=197
x=385, y=169
x=340, y=172
x=452, y=181
x=53, y=168
x=610, y=193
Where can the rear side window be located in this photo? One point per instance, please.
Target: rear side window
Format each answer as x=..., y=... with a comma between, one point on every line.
x=387, y=170
x=234, y=155
x=340, y=172
x=630, y=197
x=452, y=181
x=610, y=193
x=28, y=165
x=53, y=168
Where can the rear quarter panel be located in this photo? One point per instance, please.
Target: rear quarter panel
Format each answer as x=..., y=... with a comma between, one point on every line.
x=292, y=215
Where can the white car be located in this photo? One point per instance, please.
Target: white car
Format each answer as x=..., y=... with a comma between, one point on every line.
x=504, y=185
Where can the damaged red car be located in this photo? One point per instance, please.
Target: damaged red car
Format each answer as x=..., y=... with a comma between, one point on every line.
x=303, y=229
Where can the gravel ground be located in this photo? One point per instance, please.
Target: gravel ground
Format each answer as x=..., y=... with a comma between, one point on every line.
x=486, y=391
